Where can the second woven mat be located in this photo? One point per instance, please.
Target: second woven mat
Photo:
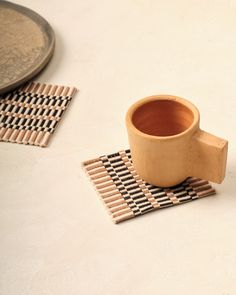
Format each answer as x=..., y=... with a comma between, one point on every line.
x=30, y=114
x=126, y=195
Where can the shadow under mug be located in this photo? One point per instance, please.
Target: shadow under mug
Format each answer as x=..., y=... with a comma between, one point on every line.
x=167, y=145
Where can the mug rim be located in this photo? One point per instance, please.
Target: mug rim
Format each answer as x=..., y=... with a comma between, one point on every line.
x=193, y=127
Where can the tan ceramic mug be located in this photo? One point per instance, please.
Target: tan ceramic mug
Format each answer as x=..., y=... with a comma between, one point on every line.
x=167, y=145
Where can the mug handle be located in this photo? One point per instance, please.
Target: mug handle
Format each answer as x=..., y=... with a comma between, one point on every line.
x=208, y=156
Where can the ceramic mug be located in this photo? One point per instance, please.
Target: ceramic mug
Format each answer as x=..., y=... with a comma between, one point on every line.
x=167, y=145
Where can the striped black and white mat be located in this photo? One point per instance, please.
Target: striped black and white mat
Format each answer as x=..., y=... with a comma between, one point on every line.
x=30, y=114
x=126, y=195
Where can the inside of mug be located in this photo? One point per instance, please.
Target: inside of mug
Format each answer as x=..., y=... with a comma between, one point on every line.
x=162, y=118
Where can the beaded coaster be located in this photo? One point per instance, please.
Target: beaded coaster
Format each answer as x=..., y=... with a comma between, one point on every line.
x=126, y=195
x=30, y=114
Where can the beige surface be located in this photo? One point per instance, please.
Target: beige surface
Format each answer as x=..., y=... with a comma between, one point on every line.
x=55, y=235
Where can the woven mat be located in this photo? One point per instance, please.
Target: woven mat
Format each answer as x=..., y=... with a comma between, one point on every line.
x=126, y=195
x=30, y=114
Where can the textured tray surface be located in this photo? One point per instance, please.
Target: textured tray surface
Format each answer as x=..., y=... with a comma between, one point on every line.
x=30, y=114
x=27, y=44
x=126, y=195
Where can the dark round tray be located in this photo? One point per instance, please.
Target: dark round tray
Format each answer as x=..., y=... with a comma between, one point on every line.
x=27, y=43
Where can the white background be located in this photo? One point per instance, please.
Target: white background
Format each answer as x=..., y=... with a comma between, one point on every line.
x=55, y=235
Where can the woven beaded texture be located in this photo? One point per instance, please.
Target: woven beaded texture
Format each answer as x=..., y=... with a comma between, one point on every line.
x=30, y=114
x=126, y=195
